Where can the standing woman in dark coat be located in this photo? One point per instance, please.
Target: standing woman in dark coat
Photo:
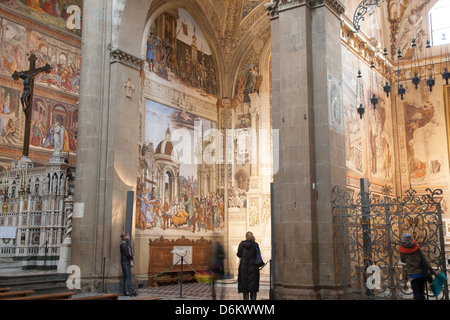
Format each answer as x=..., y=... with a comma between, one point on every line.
x=248, y=277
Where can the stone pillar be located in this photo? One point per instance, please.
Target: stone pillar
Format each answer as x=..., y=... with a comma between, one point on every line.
x=306, y=50
x=88, y=219
x=107, y=151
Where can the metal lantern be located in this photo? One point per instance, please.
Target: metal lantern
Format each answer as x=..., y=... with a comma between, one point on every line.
x=374, y=100
x=387, y=88
x=446, y=76
x=416, y=80
x=430, y=83
x=401, y=91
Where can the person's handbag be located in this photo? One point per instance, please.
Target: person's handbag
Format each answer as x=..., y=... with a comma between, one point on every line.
x=258, y=260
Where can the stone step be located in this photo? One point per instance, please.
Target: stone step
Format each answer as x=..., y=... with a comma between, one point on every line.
x=39, y=281
x=8, y=265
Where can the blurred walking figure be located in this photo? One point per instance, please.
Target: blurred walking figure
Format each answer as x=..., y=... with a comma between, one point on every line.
x=217, y=268
x=415, y=261
x=248, y=277
x=126, y=256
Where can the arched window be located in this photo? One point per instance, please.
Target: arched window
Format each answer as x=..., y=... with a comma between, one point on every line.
x=440, y=23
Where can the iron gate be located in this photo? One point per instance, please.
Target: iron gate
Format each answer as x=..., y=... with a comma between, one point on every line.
x=367, y=233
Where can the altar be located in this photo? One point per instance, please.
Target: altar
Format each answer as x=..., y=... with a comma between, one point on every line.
x=34, y=211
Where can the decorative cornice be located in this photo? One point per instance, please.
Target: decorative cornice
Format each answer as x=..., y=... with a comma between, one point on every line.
x=118, y=55
x=276, y=6
x=169, y=94
x=335, y=5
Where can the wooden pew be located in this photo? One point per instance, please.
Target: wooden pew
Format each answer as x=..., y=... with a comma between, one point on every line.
x=5, y=290
x=50, y=296
x=108, y=296
x=15, y=294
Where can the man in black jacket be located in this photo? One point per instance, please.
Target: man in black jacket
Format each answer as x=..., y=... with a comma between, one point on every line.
x=126, y=255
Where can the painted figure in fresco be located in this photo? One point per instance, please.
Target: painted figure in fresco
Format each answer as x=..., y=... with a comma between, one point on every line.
x=165, y=211
x=150, y=210
x=147, y=217
x=199, y=214
x=47, y=6
x=5, y=101
x=37, y=133
x=10, y=128
x=65, y=141
x=48, y=140
x=422, y=136
x=189, y=206
x=251, y=81
x=34, y=5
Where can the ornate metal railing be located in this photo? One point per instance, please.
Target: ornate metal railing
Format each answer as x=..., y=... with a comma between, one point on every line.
x=367, y=235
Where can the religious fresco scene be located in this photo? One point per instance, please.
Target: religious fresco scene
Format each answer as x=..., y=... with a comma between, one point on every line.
x=56, y=93
x=369, y=139
x=175, y=194
x=47, y=12
x=180, y=48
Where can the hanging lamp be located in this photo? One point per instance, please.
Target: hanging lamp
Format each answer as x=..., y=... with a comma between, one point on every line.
x=387, y=87
x=430, y=81
x=374, y=99
x=401, y=89
x=360, y=93
x=445, y=74
x=416, y=79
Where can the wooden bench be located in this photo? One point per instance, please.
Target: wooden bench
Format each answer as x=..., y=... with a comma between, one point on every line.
x=5, y=290
x=172, y=277
x=50, y=296
x=15, y=294
x=109, y=296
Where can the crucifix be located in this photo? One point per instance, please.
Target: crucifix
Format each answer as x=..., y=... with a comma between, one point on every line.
x=27, y=96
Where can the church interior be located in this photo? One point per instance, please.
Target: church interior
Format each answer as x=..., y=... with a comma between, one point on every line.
x=189, y=122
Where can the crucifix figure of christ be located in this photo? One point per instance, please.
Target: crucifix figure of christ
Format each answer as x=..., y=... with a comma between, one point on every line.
x=27, y=96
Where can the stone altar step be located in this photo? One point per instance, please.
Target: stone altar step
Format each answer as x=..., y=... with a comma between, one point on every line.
x=9, y=265
x=39, y=281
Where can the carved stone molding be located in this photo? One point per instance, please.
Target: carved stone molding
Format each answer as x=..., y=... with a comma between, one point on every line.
x=335, y=5
x=173, y=97
x=276, y=6
x=118, y=55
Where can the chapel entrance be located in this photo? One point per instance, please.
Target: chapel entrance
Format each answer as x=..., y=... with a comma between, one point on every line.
x=367, y=233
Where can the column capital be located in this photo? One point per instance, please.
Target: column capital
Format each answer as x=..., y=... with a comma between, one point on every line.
x=276, y=6
x=121, y=56
x=334, y=5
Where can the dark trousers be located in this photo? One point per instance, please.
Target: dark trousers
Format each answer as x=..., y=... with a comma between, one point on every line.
x=126, y=287
x=214, y=292
x=251, y=294
x=418, y=287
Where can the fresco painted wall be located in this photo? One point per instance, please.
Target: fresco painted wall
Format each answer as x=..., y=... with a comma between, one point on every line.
x=424, y=128
x=178, y=51
x=47, y=12
x=56, y=94
x=176, y=194
x=370, y=140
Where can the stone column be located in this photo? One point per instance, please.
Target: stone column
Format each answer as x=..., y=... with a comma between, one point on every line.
x=107, y=150
x=306, y=50
x=88, y=218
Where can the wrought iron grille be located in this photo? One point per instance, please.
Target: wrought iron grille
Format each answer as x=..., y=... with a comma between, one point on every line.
x=367, y=233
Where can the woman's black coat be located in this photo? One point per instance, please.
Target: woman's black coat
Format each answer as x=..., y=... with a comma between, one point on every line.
x=248, y=277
